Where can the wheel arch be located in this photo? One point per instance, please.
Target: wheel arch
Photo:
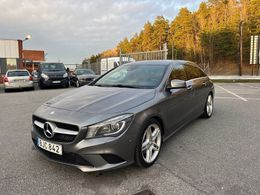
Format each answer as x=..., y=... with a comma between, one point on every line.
x=160, y=120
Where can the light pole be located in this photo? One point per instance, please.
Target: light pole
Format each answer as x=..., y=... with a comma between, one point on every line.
x=241, y=22
x=241, y=46
x=26, y=39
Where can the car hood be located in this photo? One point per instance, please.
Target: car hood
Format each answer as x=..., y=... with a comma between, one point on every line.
x=84, y=76
x=92, y=99
x=54, y=73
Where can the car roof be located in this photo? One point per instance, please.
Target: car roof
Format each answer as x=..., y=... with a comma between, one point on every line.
x=12, y=70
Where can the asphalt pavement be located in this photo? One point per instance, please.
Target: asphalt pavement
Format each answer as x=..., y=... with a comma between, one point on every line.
x=220, y=155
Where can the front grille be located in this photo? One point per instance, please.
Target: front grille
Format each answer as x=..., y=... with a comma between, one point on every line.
x=56, y=77
x=112, y=159
x=89, y=79
x=58, y=137
x=70, y=158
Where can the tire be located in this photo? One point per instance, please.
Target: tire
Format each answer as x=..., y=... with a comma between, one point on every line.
x=209, y=107
x=6, y=90
x=77, y=84
x=41, y=86
x=148, y=148
x=67, y=85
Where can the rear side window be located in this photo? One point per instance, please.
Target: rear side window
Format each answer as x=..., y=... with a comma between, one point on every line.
x=178, y=73
x=193, y=72
x=17, y=74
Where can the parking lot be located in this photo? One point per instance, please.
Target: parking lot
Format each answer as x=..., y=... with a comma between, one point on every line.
x=216, y=156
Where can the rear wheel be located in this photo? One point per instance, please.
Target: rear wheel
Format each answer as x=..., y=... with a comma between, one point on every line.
x=149, y=144
x=208, y=109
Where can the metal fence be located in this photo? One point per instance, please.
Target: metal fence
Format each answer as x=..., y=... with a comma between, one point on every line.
x=95, y=66
x=149, y=55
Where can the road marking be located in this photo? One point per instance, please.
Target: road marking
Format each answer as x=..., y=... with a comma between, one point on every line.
x=234, y=98
x=230, y=92
x=227, y=98
x=258, y=99
x=251, y=86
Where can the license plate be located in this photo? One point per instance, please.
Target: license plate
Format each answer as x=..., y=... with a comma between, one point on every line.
x=54, y=148
x=56, y=81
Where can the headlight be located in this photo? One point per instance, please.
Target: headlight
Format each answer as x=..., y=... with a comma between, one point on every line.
x=65, y=75
x=111, y=127
x=45, y=76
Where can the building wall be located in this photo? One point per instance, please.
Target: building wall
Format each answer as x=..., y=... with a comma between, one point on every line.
x=9, y=55
x=9, y=49
x=33, y=55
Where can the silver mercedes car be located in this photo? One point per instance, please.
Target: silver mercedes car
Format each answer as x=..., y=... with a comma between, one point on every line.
x=124, y=116
x=18, y=79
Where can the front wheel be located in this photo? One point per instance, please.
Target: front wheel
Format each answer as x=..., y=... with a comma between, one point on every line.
x=67, y=85
x=77, y=84
x=40, y=85
x=149, y=144
x=208, y=109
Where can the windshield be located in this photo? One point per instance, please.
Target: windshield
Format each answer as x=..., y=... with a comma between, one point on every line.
x=84, y=71
x=53, y=67
x=17, y=74
x=134, y=76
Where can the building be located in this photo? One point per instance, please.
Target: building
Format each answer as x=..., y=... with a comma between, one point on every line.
x=32, y=58
x=12, y=56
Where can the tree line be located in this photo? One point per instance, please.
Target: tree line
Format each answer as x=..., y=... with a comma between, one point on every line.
x=208, y=35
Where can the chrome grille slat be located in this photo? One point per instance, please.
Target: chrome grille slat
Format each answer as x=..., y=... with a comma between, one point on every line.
x=56, y=129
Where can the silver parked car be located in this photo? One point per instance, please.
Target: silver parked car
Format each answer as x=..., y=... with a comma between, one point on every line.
x=17, y=79
x=124, y=116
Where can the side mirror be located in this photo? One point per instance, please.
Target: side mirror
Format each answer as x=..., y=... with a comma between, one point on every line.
x=177, y=84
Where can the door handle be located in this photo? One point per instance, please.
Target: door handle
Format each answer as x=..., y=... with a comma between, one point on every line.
x=204, y=83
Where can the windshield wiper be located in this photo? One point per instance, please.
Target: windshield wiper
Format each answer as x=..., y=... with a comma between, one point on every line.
x=119, y=85
x=123, y=86
x=99, y=85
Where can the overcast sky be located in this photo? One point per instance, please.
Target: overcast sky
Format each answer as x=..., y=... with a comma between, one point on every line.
x=70, y=30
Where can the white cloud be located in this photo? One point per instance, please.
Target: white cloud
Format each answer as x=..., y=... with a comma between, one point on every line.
x=69, y=30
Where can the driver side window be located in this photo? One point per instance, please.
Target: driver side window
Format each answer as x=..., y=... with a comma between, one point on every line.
x=177, y=73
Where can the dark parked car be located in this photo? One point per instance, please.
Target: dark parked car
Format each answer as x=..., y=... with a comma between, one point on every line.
x=82, y=77
x=124, y=116
x=52, y=74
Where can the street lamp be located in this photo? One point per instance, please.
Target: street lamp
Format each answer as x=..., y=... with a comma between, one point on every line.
x=27, y=37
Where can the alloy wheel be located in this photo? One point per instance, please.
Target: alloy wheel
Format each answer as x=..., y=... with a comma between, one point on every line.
x=209, y=105
x=151, y=143
x=77, y=83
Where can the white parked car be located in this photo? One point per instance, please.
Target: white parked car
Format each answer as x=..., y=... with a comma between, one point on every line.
x=18, y=79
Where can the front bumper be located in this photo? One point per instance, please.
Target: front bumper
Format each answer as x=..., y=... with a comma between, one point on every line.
x=55, y=82
x=94, y=154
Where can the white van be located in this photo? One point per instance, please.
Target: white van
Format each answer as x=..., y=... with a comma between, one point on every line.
x=110, y=63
